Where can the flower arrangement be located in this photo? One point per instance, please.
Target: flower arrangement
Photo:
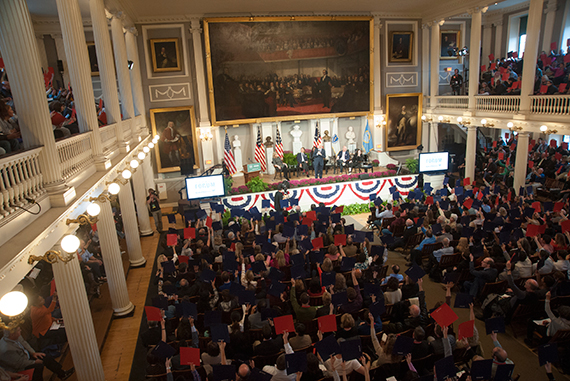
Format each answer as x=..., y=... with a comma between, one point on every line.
x=392, y=167
x=376, y=163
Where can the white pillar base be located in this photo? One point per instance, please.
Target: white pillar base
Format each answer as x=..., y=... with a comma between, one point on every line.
x=124, y=311
x=60, y=198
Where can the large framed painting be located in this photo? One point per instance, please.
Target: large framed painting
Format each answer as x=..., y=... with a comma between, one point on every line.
x=288, y=68
x=178, y=144
x=165, y=54
x=450, y=41
x=400, y=46
x=403, y=127
x=92, y=58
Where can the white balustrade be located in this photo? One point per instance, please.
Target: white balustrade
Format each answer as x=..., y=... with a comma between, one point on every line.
x=75, y=154
x=108, y=135
x=127, y=132
x=550, y=104
x=453, y=102
x=498, y=103
x=20, y=179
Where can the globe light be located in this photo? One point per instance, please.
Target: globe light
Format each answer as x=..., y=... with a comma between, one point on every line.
x=440, y=118
x=459, y=119
x=483, y=121
x=510, y=125
x=93, y=209
x=151, y=145
x=424, y=117
x=543, y=128
x=13, y=303
x=141, y=155
x=70, y=243
x=114, y=188
x=146, y=149
x=156, y=136
x=155, y=141
x=134, y=163
x=126, y=174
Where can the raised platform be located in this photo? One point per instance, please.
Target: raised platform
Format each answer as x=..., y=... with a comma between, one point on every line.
x=351, y=192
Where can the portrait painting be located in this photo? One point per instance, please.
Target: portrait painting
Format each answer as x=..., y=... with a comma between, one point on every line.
x=165, y=54
x=449, y=44
x=282, y=69
x=91, y=50
x=403, y=127
x=400, y=46
x=177, y=145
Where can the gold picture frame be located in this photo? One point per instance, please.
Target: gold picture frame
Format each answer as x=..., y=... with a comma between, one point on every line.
x=404, y=121
x=449, y=43
x=92, y=52
x=217, y=61
x=179, y=145
x=401, y=46
x=165, y=54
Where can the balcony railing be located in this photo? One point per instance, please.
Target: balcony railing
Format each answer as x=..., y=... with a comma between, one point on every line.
x=108, y=135
x=550, y=104
x=75, y=154
x=20, y=179
x=454, y=102
x=498, y=103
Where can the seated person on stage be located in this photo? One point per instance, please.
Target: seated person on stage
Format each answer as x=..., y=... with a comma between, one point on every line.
x=343, y=158
x=280, y=165
x=357, y=159
x=303, y=161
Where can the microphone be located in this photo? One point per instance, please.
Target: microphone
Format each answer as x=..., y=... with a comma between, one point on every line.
x=249, y=159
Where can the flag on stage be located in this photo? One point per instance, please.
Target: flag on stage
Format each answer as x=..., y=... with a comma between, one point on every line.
x=279, y=144
x=260, y=151
x=367, y=140
x=317, y=140
x=229, y=156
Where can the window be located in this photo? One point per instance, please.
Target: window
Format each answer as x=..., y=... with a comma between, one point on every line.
x=522, y=35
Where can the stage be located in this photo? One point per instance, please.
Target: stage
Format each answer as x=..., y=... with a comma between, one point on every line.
x=344, y=193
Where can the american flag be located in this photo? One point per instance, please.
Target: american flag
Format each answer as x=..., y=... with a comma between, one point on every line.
x=317, y=140
x=279, y=144
x=260, y=151
x=229, y=156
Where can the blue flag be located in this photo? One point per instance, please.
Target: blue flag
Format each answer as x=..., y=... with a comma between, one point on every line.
x=367, y=144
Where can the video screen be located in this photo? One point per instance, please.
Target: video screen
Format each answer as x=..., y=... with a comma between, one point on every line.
x=434, y=162
x=205, y=187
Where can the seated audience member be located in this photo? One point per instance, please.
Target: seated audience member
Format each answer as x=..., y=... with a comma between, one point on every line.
x=395, y=274
x=42, y=321
x=269, y=345
x=416, y=253
x=10, y=135
x=488, y=274
x=547, y=331
x=353, y=295
x=435, y=257
x=303, y=312
x=347, y=329
x=500, y=356
x=393, y=293
x=436, y=341
x=300, y=340
x=67, y=125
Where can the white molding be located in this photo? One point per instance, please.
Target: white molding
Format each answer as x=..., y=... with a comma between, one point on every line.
x=169, y=92
x=400, y=79
x=513, y=8
x=415, y=42
x=184, y=53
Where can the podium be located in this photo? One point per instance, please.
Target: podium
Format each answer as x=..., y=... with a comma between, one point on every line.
x=251, y=171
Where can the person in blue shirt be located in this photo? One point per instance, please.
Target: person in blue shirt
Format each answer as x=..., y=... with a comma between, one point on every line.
x=395, y=274
x=416, y=253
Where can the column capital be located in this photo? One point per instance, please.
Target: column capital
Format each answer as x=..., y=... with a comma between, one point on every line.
x=118, y=15
x=550, y=6
x=425, y=26
x=487, y=25
x=477, y=9
x=378, y=24
x=56, y=36
x=193, y=30
x=435, y=22
x=39, y=35
x=498, y=23
x=133, y=30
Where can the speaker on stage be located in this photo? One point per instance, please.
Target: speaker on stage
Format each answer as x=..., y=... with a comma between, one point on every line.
x=364, y=176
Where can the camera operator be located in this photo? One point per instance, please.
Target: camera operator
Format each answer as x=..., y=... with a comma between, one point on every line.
x=456, y=82
x=154, y=205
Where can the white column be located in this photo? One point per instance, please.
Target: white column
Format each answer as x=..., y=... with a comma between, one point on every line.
x=474, y=58
x=132, y=235
x=498, y=39
x=136, y=82
x=106, y=67
x=20, y=52
x=60, y=49
x=80, y=73
x=425, y=59
x=377, y=75
x=434, y=63
x=78, y=321
x=121, y=63
x=470, y=152
x=548, y=37
x=42, y=50
x=486, y=44
x=140, y=201
x=202, y=114
x=521, y=160
x=433, y=137
x=148, y=173
x=111, y=252
x=531, y=52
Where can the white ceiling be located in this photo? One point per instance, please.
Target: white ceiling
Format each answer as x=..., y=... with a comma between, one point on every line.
x=139, y=10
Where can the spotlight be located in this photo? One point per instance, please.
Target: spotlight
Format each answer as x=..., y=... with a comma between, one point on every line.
x=93, y=209
x=114, y=188
x=126, y=174
x=141, y=155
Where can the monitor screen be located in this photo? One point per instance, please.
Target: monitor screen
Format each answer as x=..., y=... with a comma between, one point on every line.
x=434, y=162
x=205, y=187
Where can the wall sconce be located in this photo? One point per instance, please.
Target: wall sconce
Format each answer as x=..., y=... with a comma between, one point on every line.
x=485, y=123
x=13, y=305
x=127, y=173
x=379, y=121
x=146, y=149
x=513, y=128
x=85, y=219
x=69, y=244
x=426, y=119
x=206, y=134
x=463, y=122
x=544, y=129
x=104, y=197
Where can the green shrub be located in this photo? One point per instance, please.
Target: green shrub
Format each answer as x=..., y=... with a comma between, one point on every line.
x=228, y=182
x=256, y=185
x=412, y=165
x=290, y=159
x=355, y=209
